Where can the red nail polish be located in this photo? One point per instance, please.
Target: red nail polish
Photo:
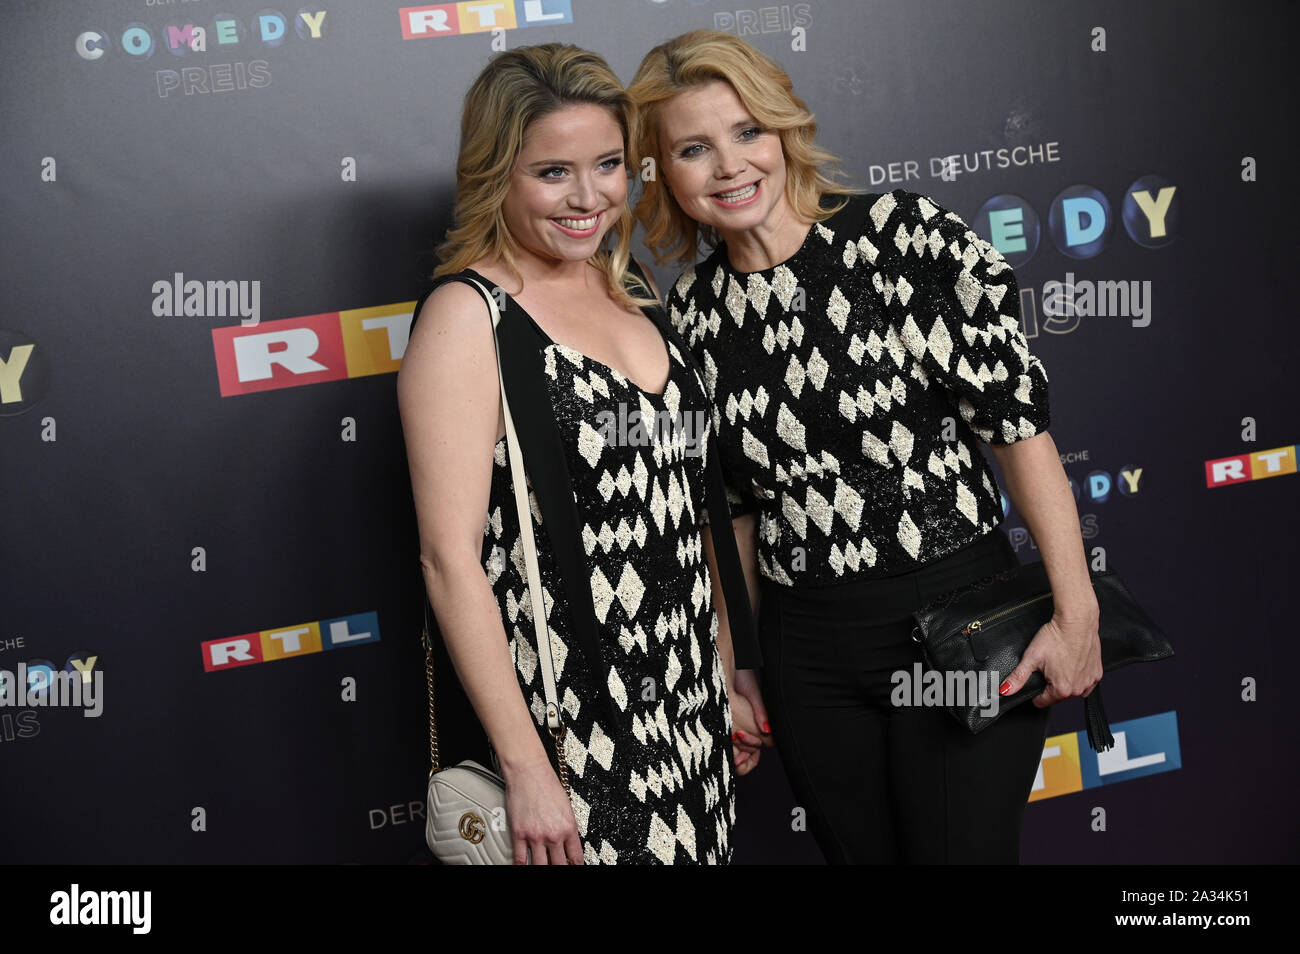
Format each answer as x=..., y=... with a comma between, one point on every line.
x=1002, y=690
x=767, y=728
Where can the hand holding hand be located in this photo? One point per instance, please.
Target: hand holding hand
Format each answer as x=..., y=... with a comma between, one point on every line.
x=751, y=730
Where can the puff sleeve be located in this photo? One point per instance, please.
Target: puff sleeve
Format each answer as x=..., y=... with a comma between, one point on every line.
x=958, y=308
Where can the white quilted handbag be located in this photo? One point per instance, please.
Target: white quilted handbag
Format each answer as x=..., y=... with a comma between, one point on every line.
x=466, y=822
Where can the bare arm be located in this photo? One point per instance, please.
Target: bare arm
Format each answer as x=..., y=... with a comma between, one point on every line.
x=1037, y=486
x=450, y=406
x=1040, y=492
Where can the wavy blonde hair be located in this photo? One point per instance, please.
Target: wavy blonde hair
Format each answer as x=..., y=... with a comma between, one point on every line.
x=517, y=88
x=695, y=59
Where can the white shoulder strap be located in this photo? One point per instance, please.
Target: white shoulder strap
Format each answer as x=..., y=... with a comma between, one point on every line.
x=519, y=479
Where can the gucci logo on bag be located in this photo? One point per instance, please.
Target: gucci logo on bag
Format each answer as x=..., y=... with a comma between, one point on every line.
x=472, y=828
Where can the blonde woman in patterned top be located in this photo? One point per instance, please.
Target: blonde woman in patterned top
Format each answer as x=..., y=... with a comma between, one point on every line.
x=614, y=427
x=858, y=348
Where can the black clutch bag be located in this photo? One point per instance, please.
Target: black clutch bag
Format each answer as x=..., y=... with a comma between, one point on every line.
x=987, y=625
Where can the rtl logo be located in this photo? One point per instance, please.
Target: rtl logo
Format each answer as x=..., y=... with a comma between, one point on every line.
x=287, y=641
x=1253, y=466
x=311, y=348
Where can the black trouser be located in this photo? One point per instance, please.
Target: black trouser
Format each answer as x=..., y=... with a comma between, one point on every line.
x=884, y=784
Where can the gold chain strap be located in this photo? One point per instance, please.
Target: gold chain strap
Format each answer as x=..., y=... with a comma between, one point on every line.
x=435, y=763
x=434, y=760
x=558, y=736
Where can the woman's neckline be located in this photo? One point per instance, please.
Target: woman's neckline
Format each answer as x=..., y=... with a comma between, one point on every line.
x=726, y=260
x=559, y=344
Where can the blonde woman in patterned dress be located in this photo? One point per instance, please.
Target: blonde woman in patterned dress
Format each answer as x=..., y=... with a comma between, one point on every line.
x=642, y=671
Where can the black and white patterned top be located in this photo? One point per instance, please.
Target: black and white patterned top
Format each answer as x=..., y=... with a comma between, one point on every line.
x=853, y=381
x=655, y=784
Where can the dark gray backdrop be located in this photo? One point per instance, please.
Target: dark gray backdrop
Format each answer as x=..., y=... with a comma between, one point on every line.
x=98, y=526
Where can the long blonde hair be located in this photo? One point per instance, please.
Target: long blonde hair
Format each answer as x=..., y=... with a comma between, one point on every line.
x=695, y=59
x=515, y=89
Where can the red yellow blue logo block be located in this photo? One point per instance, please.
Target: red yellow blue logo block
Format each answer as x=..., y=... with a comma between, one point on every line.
x=288, y=641
x=311, y=348
x=1253, y=466
x=475, y=16
x=1143, y=746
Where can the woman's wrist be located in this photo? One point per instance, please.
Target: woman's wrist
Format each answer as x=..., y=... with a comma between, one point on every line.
x=523, y=760
x=1076, y=607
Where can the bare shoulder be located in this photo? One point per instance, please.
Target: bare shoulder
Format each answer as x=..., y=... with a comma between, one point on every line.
x=451, y=304
x=451, y=336
x=455, y=311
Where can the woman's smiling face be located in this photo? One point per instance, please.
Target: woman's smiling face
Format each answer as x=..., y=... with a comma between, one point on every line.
x=569, y=185
x=723, y=168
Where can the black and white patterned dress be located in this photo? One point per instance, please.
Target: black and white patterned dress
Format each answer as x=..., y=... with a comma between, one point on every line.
x=655, y=786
